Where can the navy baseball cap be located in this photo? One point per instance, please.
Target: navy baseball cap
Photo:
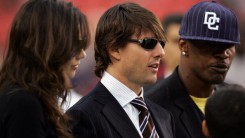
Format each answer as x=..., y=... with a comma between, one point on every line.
x=210, y=21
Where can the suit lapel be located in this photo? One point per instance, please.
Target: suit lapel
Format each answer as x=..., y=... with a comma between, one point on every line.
x=189, y=116
x=157, y=119
x=115, y=114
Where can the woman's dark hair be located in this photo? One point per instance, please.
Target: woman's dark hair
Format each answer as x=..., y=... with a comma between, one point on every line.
x=44, y=36
x=117, y=25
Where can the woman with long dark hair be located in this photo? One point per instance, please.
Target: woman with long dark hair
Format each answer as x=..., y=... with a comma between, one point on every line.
x=46, y=43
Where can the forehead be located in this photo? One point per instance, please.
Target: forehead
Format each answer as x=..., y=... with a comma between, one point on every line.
x=143, y=34
x=155, y=32
x=173, y=30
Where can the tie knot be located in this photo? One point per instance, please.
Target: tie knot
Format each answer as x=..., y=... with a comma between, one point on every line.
x=139, y=103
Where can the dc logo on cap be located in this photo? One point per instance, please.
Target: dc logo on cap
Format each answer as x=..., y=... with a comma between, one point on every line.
x=211, y=19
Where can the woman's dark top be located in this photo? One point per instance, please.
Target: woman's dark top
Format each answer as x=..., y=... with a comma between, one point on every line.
x=22, y=115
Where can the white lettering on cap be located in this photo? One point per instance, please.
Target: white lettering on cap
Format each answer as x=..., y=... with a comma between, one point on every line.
x=211, y=19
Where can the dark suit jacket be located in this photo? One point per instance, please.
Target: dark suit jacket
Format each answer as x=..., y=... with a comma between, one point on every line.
x=99, y=115
x=171, y=94
x=22, y=115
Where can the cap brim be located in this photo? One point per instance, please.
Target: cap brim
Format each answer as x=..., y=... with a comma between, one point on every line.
x=209, y=39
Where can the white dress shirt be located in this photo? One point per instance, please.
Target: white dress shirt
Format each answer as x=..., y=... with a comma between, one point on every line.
x=124, y=96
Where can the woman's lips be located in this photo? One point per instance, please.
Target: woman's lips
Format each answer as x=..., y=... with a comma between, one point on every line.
x=74, y=67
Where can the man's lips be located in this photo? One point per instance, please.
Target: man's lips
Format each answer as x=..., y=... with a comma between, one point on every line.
x=220, y=67
x=154, y=67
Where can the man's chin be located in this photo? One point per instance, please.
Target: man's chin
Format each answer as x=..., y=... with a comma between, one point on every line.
x=151, y=81
x=217, y=80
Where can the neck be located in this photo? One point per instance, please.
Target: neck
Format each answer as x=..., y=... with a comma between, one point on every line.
x=116, y=74
x=195, y=86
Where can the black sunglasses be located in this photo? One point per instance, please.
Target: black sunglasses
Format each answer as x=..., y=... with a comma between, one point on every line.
x=148, y=43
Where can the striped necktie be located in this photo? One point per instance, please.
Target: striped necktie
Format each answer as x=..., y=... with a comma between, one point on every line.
x=147, y=126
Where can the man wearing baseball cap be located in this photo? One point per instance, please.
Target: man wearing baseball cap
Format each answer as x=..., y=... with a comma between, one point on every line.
x=208, y=35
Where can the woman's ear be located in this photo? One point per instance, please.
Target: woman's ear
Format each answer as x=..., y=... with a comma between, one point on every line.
x=205, y=128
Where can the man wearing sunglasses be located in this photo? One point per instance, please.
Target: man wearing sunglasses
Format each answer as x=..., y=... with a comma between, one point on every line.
x=129, y=45
x=208, y=35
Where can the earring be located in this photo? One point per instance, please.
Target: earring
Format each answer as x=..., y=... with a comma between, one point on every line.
x=183, y=53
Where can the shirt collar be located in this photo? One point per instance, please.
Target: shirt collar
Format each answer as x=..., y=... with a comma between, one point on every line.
x=121, y=92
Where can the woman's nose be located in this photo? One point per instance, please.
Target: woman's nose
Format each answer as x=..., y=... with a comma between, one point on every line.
x=81, y=55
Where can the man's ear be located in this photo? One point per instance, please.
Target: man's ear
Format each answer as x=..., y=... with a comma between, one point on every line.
x=115, y=54
x=205, y=128
x=184, y=48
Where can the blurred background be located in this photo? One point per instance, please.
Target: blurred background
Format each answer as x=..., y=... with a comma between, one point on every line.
x=85, y=79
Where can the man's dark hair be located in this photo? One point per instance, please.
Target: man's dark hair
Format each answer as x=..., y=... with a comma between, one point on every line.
x=225, y=111
x=117, y=25
x=171, y=19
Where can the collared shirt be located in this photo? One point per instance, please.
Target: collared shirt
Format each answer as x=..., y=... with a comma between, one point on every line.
x=124, y=96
